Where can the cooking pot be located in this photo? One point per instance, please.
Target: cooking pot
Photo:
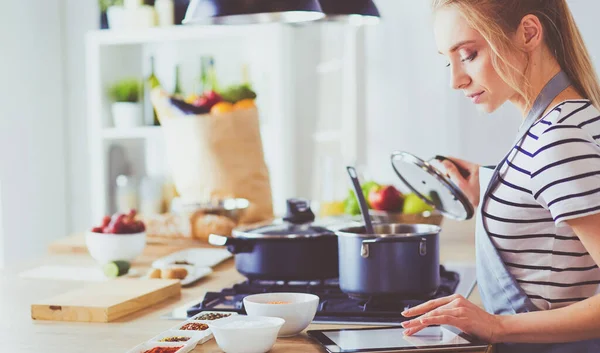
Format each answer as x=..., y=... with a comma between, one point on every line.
x=398, y=260
x=290, y=250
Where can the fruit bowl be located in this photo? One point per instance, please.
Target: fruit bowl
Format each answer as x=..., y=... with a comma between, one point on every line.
x=106, y=248
x=119, y=238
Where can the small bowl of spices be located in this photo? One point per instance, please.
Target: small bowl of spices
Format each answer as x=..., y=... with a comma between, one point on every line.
x=155, y=347
x=194, y=326
x=210, y=316
x=179, y=336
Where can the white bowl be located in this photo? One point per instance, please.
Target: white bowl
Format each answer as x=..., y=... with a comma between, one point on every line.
x=246, y=334
x=105, y=248
x=298, y=313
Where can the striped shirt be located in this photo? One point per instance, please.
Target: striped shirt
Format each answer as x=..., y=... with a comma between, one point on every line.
x=552, y=176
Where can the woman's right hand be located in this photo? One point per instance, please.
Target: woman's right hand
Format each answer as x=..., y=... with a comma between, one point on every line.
x=469, y=185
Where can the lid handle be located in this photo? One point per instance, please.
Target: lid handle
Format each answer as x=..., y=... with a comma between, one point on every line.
x=299, y=212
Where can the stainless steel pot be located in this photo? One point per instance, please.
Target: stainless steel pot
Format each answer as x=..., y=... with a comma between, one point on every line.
x=398, y=260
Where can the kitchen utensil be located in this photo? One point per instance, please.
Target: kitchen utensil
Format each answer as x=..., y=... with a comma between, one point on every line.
x=297, y=309
x=246, y=334
x=434, y=187
x=288, y=250
x=394, y=260
x=105, y=301
x=364, y=209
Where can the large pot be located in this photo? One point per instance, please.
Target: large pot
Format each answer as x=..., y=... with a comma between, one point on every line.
x=290, y=250
x=398, y=260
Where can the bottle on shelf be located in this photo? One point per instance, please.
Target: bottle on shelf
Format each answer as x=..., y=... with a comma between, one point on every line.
x=127, y=196
x=200, y=84
x=211, y=83
x=151, y=83
x=165, y=12
x=177, y=92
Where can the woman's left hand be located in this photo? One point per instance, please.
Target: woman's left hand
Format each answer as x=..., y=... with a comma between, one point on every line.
x=455, y=311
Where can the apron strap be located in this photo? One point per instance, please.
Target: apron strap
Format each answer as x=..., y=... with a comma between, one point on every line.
x=553, y=88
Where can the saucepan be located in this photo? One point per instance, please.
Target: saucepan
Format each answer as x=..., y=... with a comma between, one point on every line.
x=395, y=260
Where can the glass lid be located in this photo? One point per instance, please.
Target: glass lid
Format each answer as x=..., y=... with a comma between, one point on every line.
x=297, y=223
x=432, y=186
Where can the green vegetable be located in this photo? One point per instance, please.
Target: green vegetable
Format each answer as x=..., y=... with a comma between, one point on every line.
x=105, y=4
x=116, y=268
x=236, y=93
x=127, y=90
x=351, y=205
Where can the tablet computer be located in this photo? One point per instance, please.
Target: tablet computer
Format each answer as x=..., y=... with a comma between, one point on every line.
x=392, y=339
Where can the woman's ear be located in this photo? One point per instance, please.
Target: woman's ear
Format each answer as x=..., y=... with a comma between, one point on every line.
x=530, y=34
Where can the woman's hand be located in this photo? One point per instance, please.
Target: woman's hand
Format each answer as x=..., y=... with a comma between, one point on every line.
x=470, y=185
x=455, y=311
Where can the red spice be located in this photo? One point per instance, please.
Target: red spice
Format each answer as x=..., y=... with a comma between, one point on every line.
x=194, y=326
x=163, y=350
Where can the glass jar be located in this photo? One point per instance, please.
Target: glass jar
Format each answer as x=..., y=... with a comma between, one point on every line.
x=127, y=197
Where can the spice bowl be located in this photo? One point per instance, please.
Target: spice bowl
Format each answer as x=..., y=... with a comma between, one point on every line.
x=193, y=326
x=193, y=337
x=151, y=347
x=208, y=316
x=297, y=309
x=246, y=334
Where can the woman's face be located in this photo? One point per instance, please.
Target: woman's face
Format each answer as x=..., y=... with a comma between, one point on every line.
x=469, y=61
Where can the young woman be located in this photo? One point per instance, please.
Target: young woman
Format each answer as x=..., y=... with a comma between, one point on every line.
x=538, y=227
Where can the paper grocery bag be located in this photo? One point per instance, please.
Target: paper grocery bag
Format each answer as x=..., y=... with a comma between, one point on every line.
x=220, y=156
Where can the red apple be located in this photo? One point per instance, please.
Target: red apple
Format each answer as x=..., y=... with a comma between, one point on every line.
x=386, y=198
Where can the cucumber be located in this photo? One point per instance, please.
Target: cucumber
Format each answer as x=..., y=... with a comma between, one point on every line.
x=116, y=268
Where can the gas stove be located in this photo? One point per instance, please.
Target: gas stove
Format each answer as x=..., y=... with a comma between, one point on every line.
x=336, y=307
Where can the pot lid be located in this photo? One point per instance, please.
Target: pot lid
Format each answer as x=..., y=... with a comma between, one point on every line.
x=297, y=223
x=432, y=186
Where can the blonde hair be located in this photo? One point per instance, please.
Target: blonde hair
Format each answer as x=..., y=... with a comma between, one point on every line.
x=497, y=20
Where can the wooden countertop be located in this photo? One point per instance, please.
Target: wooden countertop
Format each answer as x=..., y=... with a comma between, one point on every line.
x=19, y=333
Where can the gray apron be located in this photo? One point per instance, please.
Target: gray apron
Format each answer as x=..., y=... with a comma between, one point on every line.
x=500, y=292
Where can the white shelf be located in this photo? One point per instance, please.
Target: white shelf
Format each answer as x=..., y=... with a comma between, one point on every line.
x=143, y=132
x=108, y=37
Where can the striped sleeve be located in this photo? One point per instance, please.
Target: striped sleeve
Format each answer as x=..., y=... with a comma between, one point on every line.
x=565, y=175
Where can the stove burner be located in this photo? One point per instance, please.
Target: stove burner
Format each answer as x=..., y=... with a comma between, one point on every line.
x=334, y=306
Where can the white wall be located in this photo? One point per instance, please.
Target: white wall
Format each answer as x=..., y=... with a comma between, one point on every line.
x=32, y=124
x=410, y=103
x=80, y=17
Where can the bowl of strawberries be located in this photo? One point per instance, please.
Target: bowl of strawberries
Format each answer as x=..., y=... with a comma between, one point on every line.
x=120, y=238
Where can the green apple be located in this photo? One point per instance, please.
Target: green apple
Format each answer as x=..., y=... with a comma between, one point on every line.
x=414, y=205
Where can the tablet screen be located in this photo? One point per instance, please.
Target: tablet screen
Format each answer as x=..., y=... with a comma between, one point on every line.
x=393, y=337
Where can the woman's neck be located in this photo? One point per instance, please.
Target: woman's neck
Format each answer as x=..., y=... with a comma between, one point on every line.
x=541, y=69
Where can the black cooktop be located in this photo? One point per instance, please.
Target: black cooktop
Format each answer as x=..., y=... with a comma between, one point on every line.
x=334, y=306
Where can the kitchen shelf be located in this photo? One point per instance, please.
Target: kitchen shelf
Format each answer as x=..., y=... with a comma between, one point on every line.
x=142, y=132
x=106, y=37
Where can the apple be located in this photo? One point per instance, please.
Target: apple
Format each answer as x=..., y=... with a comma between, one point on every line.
x=386, y=198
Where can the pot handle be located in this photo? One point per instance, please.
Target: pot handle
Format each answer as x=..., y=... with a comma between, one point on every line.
x=235, y=246
x=366, y=244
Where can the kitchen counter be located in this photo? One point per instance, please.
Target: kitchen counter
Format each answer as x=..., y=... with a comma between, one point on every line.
x=19, y=333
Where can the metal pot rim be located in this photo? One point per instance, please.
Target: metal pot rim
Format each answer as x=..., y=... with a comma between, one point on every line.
x=245, y=233
x=422, y=230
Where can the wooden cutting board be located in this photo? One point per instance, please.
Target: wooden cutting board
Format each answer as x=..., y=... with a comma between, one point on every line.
x=106, y=301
